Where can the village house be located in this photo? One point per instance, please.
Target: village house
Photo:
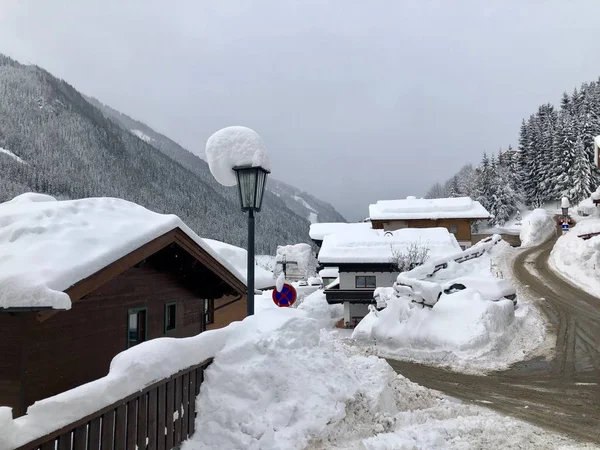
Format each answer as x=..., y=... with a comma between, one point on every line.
x=365, y=260
x=82, y=280
x=454, y=214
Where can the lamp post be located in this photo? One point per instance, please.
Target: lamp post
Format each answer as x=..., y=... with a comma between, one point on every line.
x=251, y=182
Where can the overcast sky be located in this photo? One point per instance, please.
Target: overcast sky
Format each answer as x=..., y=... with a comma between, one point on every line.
x=356, y=100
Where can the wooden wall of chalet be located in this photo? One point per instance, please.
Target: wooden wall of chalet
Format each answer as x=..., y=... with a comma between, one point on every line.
x=228, y=309
x=463, y=225
x=76, y=346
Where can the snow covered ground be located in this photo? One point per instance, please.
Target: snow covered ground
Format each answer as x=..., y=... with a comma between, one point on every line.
x=578, y=260
x=464, y=330
x=282, y=380
x=305, y=389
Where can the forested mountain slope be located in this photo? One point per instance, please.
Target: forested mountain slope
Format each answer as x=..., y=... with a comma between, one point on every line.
x=54, y=141
x=555, y=158
x=303, y=204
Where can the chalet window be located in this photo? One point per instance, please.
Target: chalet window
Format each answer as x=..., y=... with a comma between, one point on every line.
x=209, y=311
x=453, y=228
x=137, y=324
x=365, y=281
x=170, y=316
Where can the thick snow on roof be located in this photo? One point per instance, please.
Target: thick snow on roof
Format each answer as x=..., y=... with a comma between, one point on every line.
x=231, y=147
x=238, y=257
x=372, y=246
x=46, y=246
x=422, y=208
x=319, y=230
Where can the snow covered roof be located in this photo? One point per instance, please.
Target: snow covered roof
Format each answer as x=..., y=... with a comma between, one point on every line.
x=238, y=257
x=46, y=246
x=319, y=230
x=373, y=246
x=421, y=208
x=329, y=272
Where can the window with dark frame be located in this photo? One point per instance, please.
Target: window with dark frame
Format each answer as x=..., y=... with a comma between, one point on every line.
x=365, y=281
x=137, y=323
x=453, y=228
x=170, y=317
x=209, y=311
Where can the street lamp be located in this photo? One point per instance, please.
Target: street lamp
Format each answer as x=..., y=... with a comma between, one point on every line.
x=251, y=182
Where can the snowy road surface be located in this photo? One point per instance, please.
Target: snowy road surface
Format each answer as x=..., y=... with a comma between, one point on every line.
x=561, y=393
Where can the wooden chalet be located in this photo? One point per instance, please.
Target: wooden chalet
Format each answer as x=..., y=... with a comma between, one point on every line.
x=169, y=286
x=454, y=214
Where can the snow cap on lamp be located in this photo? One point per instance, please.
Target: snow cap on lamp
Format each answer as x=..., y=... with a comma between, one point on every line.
x=233, y=147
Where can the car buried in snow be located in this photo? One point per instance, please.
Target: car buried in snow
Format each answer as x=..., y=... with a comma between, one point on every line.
x=491, y=289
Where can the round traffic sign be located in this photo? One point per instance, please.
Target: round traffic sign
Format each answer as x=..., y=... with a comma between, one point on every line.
x=286, y=297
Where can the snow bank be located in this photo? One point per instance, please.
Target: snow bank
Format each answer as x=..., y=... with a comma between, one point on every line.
x=439, y=208
x=536, y=228
x=231, y=147
x=578, y=260
x=463, y=323
x=375, y=246
x=238, y=257
x=48, y=245
x=300, y=384
x=466, y=330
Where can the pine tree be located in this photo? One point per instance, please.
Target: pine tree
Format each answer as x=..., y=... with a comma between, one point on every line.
x=580, y=173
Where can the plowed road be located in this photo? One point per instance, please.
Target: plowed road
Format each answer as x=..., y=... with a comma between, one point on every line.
x=561, y=394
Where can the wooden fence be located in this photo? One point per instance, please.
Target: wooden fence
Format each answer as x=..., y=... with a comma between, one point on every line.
x=159, y=417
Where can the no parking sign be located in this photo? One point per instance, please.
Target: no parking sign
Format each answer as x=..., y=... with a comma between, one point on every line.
x=286, y=297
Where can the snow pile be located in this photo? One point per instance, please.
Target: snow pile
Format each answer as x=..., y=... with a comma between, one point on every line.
x=466, y=330
x=536, y=228
x=231, y=147
x=48, y=245
x=301, y=254
x=301, y=385
x=439, y=208
x=577, y=259
x=238, y=257
x=318, y=231
x=375, y=246
x=463, y=323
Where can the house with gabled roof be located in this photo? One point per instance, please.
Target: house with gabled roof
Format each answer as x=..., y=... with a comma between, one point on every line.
x=82, y=280
x=454, y=214
x=365, y=260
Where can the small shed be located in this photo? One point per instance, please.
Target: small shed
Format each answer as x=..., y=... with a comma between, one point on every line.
x=83, y=280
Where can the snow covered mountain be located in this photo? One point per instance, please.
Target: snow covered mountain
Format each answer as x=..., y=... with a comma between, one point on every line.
x=302, y=203
x=55, y=141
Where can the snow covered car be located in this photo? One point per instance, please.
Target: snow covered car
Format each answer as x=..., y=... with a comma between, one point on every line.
x=314, y=281
x=426, y=293
x=493, y=289
x=302, y=283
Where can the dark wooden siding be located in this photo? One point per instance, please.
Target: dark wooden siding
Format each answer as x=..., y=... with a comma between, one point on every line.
x=463, y=225
x=76, y=346
x=235, y=310
x=12, y=331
